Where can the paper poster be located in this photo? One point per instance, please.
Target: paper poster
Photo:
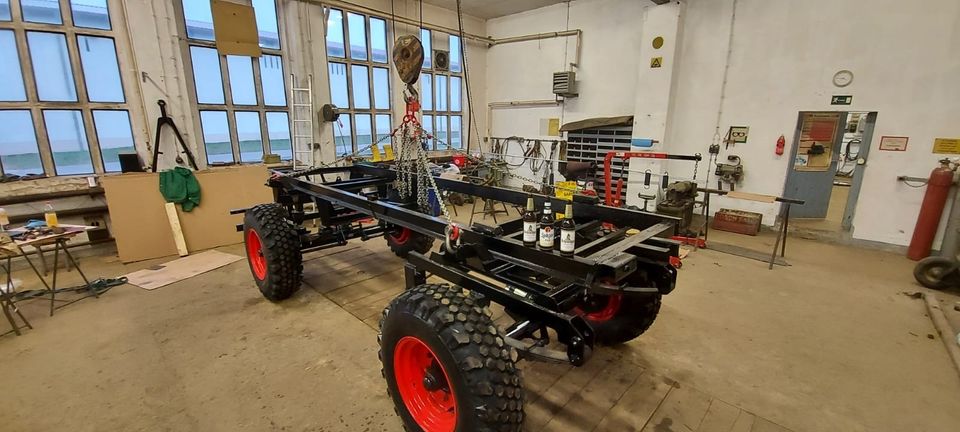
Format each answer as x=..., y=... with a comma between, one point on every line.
x=893, y=143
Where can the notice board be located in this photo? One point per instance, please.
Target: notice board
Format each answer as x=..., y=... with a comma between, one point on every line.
x=139, y=221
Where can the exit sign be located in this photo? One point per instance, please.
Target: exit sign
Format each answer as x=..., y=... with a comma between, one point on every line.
x=841, y=100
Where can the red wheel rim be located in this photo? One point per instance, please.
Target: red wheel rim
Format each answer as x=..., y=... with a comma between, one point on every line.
x=255, y=254
x=401, y=236
x=609, y=310
x=424, y=386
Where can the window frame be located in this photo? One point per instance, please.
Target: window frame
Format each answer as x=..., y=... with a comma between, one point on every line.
x=349, y=62
x=32, y=103
x=448, y=113
x=229, y=106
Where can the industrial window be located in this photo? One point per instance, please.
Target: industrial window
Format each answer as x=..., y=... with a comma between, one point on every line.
x=357, y=59
x=241, y=100
x=441, y=89
x=62, y=101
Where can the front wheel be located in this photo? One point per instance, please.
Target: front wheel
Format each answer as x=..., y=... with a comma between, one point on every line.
x=937, y=272
x=446, y=365
x=273, y=251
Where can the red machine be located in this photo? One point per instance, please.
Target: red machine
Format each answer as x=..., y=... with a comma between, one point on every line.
x=613, y=199
x=938, y=187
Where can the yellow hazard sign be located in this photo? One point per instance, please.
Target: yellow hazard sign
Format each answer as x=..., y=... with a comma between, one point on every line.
x=656, y=62
x=946, y=145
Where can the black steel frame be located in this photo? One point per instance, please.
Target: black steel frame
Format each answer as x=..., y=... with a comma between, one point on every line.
x=538, y=288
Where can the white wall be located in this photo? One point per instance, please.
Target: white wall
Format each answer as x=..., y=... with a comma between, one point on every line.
x=784, y=54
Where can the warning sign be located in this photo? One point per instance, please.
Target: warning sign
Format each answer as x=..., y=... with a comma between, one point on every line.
x=946, y=145
x=656, y=62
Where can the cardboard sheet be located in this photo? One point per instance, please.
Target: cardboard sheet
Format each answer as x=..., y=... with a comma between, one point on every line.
x=139, y=221
x=180, y=269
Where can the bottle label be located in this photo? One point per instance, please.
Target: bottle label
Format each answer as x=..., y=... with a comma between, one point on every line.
x=546, y=237
x=530, y=232
x=568, y=240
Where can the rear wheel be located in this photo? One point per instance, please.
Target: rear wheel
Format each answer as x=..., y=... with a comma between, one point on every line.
x=446, y=365
x=402, y=241
x=273, y=251
x=936, y=272
x=617, y=318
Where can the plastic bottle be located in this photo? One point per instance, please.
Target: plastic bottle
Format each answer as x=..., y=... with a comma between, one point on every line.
x=50, y=215
x=4, y=220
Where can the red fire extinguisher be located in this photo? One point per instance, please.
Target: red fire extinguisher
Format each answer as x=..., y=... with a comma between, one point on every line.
x=780, y=144
x=938, y=187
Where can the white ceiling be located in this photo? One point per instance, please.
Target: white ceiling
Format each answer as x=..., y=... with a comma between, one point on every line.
x=487, y=9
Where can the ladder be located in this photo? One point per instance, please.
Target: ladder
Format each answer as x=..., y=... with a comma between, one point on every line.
x=301, y=112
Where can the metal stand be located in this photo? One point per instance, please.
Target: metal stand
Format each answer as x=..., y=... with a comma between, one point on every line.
x=781, y=242
x=51, y=288
x=6, y=301
x=164, y=119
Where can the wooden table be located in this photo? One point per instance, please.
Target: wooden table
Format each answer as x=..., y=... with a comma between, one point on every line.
x=7, y=251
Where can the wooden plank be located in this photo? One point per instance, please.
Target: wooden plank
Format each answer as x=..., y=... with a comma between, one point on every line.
x=180, y=269
x=720, y=417
x=752, y=196
x=552, y=401
x=744, y=422
x=637, y=405
x=763, y=425
x=174, y=220
x=598, y=396
x=682, y=410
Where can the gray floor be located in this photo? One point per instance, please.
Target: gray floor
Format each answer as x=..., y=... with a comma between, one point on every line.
x=828, y=344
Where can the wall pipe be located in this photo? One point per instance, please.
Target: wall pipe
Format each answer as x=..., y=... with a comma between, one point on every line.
x=549, y=35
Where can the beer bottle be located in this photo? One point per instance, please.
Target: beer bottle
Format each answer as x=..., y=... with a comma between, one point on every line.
x=546, y=228
x=530, y=224
x=568, y=232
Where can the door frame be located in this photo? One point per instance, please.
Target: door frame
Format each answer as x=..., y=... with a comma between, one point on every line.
x=856, y=182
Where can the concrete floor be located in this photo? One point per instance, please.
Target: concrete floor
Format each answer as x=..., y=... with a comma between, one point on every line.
x=828, y=344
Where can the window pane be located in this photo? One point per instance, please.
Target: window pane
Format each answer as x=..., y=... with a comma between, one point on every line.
x=442, y=143
x=383, y=129
x=338, y=85
x=248, y=131
x=342, y=134
x=41, y=11
x=361, y=87
x=456, y=131
x=378, y=40
x=428, y=123
x=266, y=13
x=426, y=91
x=11, y=77
x=51, y=67
x=241, y=80
x=441, y=92
x=98, y=56
x=68, y=141
x=358, y=36
x=455, y=54
x=335, y=46
x=271, y=79
x=114, y=137
x=381, y=88
x=90, y=13
x=427, y=52
x=206, y=75
x=364, y=134
x=216, y=136
x=5, y=10
x=278, y=132
x=456, y=98
x=18, y=144
x=199, y=19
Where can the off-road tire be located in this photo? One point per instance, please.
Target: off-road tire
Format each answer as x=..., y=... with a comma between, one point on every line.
x=402, y=241
x=635, y=315
x=936, y=272
x=480, y=367
x=280, y=246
